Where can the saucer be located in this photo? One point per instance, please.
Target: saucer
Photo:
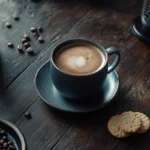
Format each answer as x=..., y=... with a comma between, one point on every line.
x=51, y=96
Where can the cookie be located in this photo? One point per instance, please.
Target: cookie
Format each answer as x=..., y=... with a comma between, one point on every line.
x=114, y=129
x=129, y=122
x=145, y=122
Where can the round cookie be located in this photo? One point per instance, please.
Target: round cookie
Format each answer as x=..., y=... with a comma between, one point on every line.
x=129, y=122
x=114, y=129
x=145, y=122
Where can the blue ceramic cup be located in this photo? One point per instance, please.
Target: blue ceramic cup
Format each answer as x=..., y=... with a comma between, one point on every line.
x=78, y=87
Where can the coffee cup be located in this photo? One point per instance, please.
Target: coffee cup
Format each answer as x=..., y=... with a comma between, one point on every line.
x=79, y=67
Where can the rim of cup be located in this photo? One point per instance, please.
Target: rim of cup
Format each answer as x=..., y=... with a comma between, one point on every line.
x=71, y=41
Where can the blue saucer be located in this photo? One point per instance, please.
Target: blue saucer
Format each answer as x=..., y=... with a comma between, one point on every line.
x=51, y=96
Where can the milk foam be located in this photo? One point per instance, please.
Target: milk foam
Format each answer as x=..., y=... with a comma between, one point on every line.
x=80, y=59
x=76, y=61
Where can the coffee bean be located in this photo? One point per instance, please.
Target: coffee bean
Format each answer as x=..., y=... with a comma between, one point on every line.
x=8, y=25
x=4, y=138
x=24, y=41
x=30, y=50
x=41, y=39
x=10, y=143
x=33, y=29
x=1, y=142
x=27, y=45
x=2, y=132
x=16, y=17
x=26, y=37
x=10, y=45
x=20, y=48
x=12, y=147
x=5, y=145
x=28, y=115
x=40, y=29
x=35, y=34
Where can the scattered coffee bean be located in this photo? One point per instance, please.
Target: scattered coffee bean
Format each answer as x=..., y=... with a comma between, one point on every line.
x=16, y=17
x=33, y=29
x=12, y=147
x=30, y=50
x=4, y=138
x=27, y=114
x=2, y=132
x=26, y=45
x=24, y=41
x=35, y=34
x=5, y=145
x=26, y=37
x=40, y=29
x=20, y=48
x=41, y=39
x=1, y=142
x=11, y=45
x=8, y=25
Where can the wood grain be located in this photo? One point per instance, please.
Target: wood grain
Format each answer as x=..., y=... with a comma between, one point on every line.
x=105, y=23
x=53, y=17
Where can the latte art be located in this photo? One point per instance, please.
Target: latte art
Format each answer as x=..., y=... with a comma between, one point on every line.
x=76, y=61
x=79, y=59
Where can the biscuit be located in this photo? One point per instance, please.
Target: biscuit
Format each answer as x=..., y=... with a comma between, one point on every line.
x=114, y=129
x=145, y=122
x=129, y=122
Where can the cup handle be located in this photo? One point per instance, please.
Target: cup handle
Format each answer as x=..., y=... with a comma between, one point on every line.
x=115, y=51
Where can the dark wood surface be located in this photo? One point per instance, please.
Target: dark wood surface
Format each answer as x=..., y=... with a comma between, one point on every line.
x=106, y=22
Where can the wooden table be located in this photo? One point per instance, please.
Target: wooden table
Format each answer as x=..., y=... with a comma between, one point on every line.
x=108, y=23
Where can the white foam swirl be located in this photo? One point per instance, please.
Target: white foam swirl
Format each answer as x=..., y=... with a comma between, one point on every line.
x=76, y=61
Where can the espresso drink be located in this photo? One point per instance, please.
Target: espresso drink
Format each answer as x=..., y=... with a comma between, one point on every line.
x=79, y=59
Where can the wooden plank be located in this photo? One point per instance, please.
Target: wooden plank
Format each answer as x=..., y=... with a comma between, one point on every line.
x=138, y=99
x=49, y=127
x=138, y=95
x=83, y=130
x=135, y=62
x=76, y=131
x=93, y=133
x=117, y=33
x=48, y=14
x=111, y=30
x=55, y=18
x=45, y=132
x=23, y=87
x=87, y=136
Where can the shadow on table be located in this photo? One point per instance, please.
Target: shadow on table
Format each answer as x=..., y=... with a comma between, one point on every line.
x=108, y=3
x=134, y=142
x=1, y=76
x=102, y=115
